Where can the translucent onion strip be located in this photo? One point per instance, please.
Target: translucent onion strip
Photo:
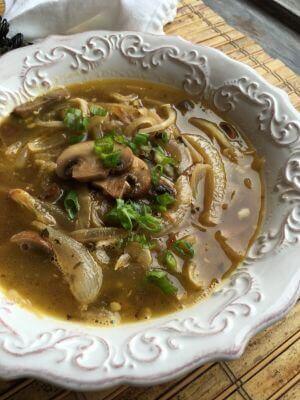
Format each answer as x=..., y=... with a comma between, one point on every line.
x=215, y=182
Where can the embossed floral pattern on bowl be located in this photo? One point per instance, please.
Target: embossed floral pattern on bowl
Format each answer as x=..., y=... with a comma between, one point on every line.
x=260, y=292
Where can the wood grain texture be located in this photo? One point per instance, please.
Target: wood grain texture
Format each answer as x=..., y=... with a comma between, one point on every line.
x=270, y=368
x=2, y=7
x=274, y=31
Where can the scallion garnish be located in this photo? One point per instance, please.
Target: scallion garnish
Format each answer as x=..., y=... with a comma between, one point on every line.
x=104, y=145
x=76, y=138
x=183, y=248
x=159, y=278
x=141, y=139
x=97, y=110
x=165, y=199
x=75, y=121
x=71, y=204
x=161, y=158
x=129, y=214
x=111, y=160
x=156, y=173
x=169, y=260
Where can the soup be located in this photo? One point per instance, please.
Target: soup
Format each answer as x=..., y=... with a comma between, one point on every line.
x=122, y=200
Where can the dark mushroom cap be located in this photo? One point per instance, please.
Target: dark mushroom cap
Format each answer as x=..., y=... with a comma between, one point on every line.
x=80, y=162
x=132, y=184
x=26, y=109
x=28, y=240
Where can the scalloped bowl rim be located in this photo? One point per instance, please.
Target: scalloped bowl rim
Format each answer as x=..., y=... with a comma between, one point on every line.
x=183, y=329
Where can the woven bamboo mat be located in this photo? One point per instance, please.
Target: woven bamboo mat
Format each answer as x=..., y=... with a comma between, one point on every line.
x=270, y=368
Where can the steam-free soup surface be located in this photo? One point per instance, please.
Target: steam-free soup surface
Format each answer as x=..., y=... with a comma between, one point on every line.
x=122, y=200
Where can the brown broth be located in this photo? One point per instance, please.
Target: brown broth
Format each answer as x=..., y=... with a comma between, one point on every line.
x=220, y=248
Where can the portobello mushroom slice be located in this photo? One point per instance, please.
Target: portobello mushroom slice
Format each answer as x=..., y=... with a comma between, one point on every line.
x=38, y=104
x=133, y=184
x=80, y=162
x=31, y=240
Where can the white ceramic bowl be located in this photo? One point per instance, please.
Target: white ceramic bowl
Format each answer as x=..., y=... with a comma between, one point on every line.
x=260, y=292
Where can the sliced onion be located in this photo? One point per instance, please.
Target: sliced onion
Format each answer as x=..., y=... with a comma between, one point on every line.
x=181, y=154
x=46, y=143
x=123, y=261
x=111, y=235
x=80, y=270
x=215, y=182
x=180, y=209
x=170, y=119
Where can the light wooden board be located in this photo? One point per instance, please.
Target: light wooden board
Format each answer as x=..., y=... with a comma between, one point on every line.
x=270, y=367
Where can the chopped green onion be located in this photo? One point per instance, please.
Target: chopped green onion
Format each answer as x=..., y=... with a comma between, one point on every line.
x=165, y=137
x=183, y=248
x=104, y=145
x=75, y=121
x=141, y=239
x=156, y=173
x=165, y=199
x=169, y=260
x=149, y=223
x=97, y=110
x=128, y=214
x=77, y=138
x=123, y=213
x=161, y=158
x=122, y=139
x=71, y=204
x=141, y=139
x=111, y=160
x=160, y=279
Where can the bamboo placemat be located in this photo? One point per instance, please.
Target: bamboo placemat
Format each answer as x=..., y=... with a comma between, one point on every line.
x=270, y=368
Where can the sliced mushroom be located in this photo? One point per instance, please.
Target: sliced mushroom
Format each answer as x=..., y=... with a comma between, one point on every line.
x=80, y=162
x=25, y=110
x=165, y=185
x=28, y=240
x=133, y=184
x=114, y=186
x=126, y=160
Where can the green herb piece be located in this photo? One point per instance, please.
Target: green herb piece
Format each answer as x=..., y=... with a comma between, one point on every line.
x=169, y=260
x=76, y=138
x=165, y=137
x=111, y=160
x=104, y=145
x=141, y=139
x=71, y=204
x=161, y=158
x=141, y=239
x=128, y=214
x=97, y=110
x=156, y=173
x=160, y=279
x=149, y=223
x=75, y=121
x=122, y=139
x=165, y=199
x=183, y=248
x=123, y=213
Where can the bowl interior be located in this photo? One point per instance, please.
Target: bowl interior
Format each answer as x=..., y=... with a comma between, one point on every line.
x=258, y=293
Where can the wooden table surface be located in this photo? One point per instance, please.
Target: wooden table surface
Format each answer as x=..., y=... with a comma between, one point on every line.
x=270, y=366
